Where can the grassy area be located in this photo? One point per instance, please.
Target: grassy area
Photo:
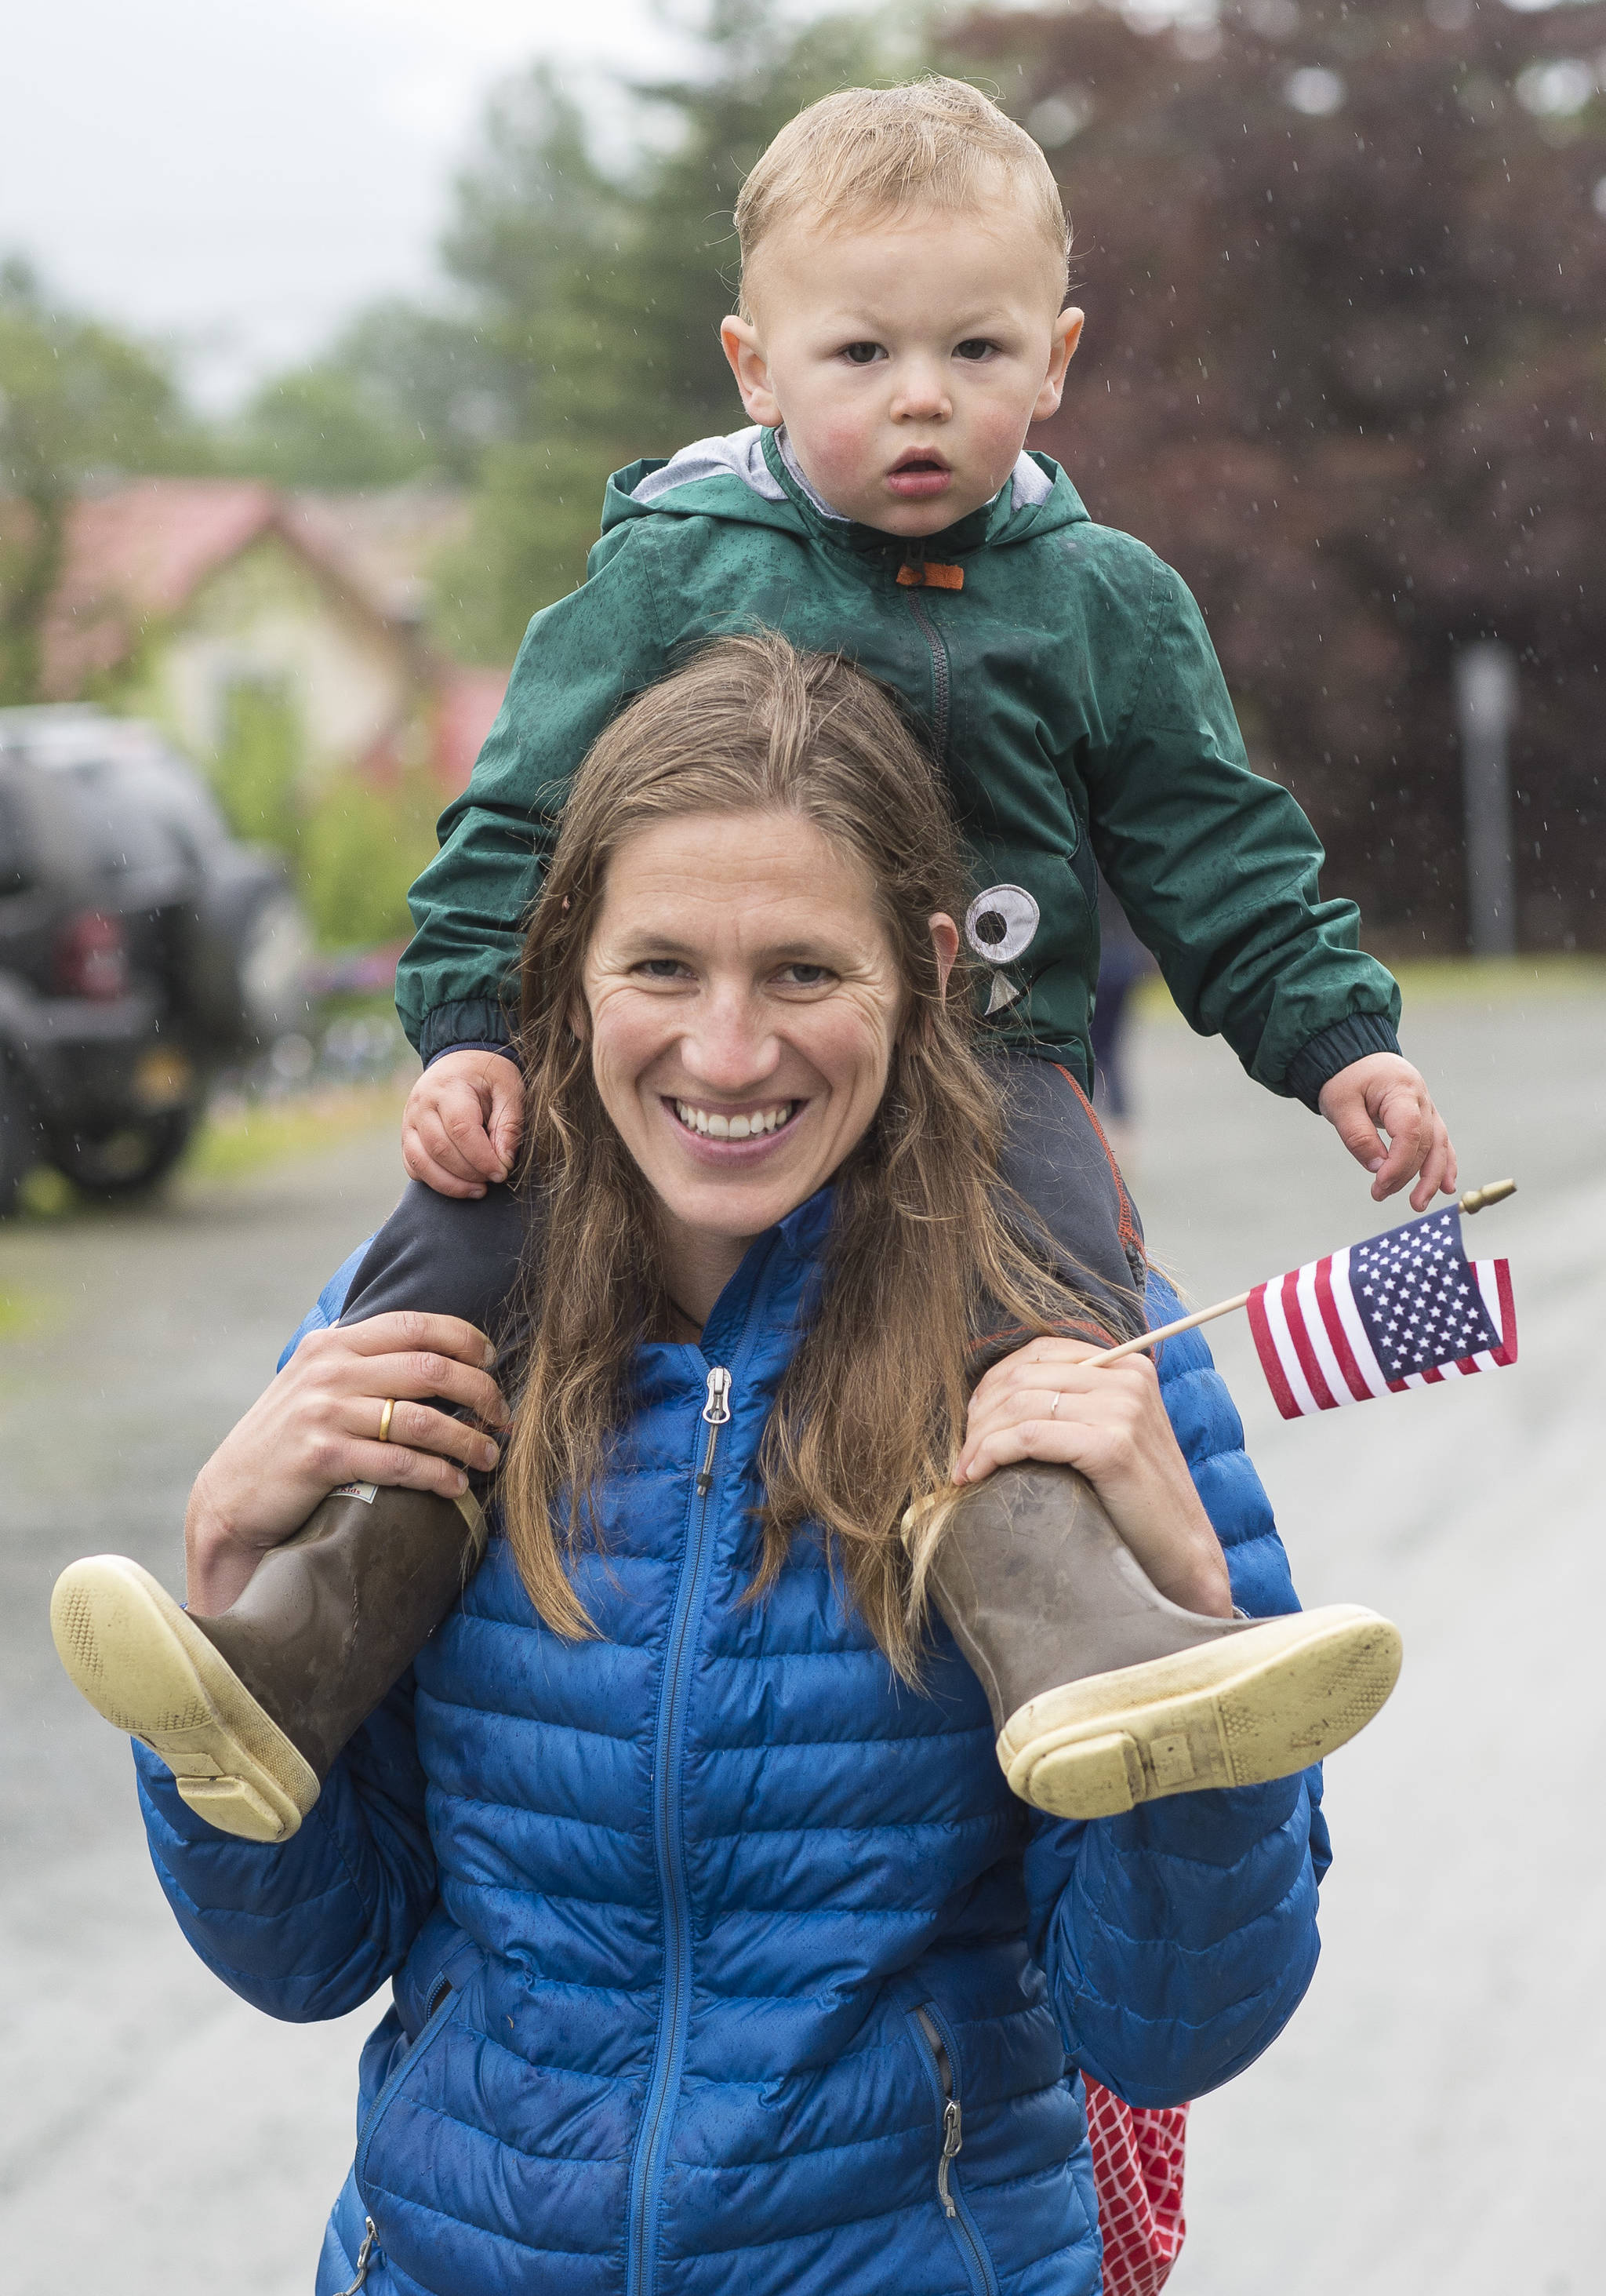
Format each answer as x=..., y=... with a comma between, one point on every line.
x=236, y=1138
x=250, y=1135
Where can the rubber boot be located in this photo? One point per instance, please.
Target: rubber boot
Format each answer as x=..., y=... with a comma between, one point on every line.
x=249, y=1710
x=1105, y=1695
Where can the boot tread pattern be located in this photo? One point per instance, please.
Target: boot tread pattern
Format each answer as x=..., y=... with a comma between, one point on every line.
x=1258, y=1707
x=141, y=1664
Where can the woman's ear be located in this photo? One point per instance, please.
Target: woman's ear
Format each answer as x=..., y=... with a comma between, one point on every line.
x=945, y=941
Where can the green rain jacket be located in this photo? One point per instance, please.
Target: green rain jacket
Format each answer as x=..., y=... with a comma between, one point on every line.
x=1070, y=691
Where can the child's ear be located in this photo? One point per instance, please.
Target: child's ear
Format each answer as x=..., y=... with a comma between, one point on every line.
x=1062, y=349
x=739, y=340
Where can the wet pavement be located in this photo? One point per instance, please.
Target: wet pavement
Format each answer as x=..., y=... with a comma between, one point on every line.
x=1429, y=2119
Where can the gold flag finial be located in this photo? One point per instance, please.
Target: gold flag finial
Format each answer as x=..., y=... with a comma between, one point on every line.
x=1496, y=1192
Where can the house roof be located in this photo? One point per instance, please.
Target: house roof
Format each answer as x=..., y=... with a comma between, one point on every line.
x=466, y=702
x=136, y=553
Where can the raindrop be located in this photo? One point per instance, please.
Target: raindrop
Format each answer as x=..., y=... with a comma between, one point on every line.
x=1314, y=90
x=1556, y=88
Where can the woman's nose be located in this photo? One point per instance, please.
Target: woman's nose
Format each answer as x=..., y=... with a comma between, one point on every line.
x=729, y=1047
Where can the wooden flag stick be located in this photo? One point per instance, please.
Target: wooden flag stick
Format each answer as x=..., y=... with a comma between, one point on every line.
x=1169, y=1330
x=1474, y=1201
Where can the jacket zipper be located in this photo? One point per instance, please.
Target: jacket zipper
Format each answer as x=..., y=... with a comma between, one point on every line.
x=939, y=672
x=439, y=2010
x=671, y=2033
x=953, y=2139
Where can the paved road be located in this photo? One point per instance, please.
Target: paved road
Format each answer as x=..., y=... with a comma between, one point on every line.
x=1430, y=2120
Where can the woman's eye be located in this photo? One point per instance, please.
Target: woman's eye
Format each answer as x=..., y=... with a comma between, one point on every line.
x=863, y=353
x=974, y=347
x=661, y=967
x=805, y=976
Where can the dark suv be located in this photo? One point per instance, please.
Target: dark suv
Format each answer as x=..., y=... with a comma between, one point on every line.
x=141, y=947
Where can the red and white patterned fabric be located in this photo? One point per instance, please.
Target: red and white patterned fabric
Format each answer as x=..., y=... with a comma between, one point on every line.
x=1137, y=2167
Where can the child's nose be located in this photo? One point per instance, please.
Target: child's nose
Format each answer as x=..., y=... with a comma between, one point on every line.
x=923, y=393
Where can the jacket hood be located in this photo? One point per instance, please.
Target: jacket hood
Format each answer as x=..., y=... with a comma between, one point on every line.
x=749, y=478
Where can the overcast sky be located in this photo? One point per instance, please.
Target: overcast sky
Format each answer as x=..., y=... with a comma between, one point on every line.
x=235, y=175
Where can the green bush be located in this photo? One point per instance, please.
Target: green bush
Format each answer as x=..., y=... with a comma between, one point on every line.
x=361, y=847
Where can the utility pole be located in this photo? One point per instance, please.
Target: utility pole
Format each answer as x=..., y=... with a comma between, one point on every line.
x=1486, y=711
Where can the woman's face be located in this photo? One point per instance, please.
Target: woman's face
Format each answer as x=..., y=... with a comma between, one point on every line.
x=744, y=1001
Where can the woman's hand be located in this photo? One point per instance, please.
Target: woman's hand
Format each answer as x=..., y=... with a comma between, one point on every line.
x=1051, y=1401
x=317, y=1426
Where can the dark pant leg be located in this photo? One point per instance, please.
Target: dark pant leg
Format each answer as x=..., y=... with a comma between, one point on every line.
x=449, y=1255
x=1056, y=1159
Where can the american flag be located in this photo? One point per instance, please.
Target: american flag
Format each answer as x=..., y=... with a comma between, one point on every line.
x=1407, y=1308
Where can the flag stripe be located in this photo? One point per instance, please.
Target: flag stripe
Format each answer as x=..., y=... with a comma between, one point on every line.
x=1271, y=1361
x=1316, y=1332
x=1293, y=1285
x=1505, y=1321
x=1360, y=1347
x=1327, y=1270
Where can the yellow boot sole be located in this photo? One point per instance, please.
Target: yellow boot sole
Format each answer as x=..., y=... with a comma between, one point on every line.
x=1258, y=1705
x=143, y=1664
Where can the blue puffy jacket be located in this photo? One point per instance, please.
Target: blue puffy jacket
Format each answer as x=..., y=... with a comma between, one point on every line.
x=689, y=1923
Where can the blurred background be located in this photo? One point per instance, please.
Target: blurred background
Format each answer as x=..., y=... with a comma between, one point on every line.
x=321, y=326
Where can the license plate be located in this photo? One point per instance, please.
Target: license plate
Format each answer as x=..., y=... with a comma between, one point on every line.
x=164, y=1079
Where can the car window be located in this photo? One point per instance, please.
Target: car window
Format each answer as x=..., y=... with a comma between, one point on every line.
x=16, y=854
x=118, y=836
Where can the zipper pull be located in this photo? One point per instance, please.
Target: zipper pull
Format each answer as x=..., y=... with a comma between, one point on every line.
x=363, y=2257
x=715, y=1412
x=953, y=2137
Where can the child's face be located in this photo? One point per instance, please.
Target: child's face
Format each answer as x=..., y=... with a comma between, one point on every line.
x=906, y=357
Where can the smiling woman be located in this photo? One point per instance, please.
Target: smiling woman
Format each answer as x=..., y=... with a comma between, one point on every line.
x=713, y=1840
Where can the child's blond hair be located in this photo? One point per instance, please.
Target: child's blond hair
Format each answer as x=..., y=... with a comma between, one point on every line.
x=873, y=151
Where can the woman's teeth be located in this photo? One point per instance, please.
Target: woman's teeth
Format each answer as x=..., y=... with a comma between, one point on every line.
x=713, y=1126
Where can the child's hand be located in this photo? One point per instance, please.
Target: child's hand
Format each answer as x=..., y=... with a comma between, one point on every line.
x=1384, y=1093
x=464, y=1121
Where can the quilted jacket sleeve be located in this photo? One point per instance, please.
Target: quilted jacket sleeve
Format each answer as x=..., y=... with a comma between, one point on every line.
x=312, y=1928
x=1178, y=1941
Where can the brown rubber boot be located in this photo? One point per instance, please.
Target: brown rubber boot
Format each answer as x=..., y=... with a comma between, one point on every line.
x=249, y=1710
x=1105, y=1694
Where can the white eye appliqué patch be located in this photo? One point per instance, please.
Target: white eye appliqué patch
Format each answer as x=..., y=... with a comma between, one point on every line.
x=1000, y=923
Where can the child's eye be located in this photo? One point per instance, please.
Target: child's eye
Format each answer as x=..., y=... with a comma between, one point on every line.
x=863, y=353
x=974, y=347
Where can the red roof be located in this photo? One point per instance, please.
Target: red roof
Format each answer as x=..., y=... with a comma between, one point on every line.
x=136, y=555
x=466, y=702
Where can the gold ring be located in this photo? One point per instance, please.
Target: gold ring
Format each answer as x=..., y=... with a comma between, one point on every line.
x=385, y=1419
x=1054, y=1407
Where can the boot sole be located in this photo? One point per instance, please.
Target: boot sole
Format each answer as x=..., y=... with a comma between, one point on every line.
x=1259, y=1705
x=144, y=1665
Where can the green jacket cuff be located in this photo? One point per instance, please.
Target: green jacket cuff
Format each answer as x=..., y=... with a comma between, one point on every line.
x=475, y=1020
x=1351, y=1039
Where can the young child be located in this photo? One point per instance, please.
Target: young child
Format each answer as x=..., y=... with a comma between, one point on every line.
x=903, y=272
x=900, y=328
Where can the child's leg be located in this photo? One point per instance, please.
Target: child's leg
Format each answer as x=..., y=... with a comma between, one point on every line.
x=1105, y=1693
x=250, y=1710
x=449, y=1255
x=1057, y=1160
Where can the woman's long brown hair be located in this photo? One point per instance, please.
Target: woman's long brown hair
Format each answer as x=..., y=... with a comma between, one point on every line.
x=870, y=1410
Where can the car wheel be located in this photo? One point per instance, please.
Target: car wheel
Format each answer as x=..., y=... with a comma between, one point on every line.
x=18, y=1135
x=126, y=1159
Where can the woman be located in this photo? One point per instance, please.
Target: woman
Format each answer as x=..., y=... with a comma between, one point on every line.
x=720, y=1947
